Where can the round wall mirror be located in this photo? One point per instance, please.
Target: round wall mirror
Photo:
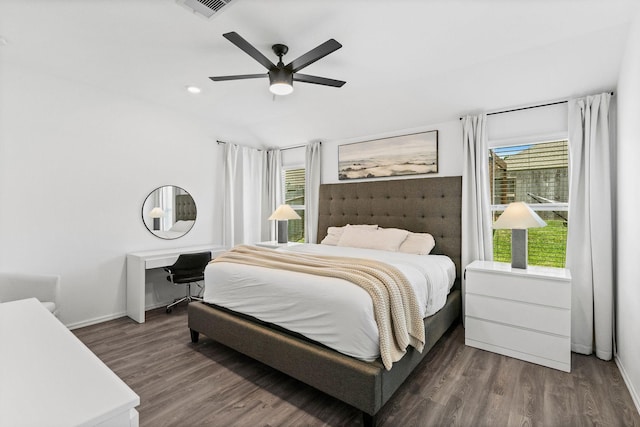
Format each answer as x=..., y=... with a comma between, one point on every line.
x=169, y=212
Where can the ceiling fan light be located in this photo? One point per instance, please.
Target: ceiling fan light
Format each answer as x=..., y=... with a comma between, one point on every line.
x=279, y=88
x=281, y=81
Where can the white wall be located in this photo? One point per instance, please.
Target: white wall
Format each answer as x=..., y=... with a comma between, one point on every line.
x=520, y=127
x=541, y=124
x=76, y=164
x=293, y=157
x=449, y=151
x=628, y=236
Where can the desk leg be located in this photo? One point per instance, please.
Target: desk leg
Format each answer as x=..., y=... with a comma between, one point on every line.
x=135, y=288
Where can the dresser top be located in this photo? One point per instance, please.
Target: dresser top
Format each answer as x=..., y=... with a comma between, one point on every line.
x=49, y=377
x=530, y=271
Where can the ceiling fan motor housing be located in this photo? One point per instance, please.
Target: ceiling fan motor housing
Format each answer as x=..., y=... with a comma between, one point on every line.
x=281, y=81
x=281, y=75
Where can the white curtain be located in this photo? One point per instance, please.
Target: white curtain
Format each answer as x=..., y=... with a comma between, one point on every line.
x=590, y=233
x=272, y=194
x=477, y=241
x=312, y=190
x=163, y=198
x=242, y=218
x=167, y=203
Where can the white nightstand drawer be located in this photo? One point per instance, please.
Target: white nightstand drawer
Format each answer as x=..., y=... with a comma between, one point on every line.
x=536, y=344
x=531, y=316
x=520, y=288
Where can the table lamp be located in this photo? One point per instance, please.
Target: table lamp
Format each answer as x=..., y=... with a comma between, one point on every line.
x=156, y=213
x=283, y=214
x=518, y=217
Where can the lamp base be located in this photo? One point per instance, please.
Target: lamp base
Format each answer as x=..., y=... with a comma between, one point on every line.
x=283, y=231
x=519, y=248
x=156, y=223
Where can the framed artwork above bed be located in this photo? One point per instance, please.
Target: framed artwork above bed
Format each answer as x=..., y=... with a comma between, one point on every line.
x=413, y=154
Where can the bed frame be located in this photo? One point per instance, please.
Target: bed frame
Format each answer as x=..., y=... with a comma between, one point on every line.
x=420, y=205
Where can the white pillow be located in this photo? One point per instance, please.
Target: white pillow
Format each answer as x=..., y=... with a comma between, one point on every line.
x=334, y=233
x=182, y=226
x=418, y=243
x=387, y=239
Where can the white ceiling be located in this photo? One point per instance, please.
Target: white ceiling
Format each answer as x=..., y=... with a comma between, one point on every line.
x=407, y=63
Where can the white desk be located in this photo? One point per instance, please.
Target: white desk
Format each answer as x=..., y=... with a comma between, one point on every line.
x=50, y=378
x=139, y=262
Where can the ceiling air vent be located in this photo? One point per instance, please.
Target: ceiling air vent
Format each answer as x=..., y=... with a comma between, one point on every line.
x=206, y=8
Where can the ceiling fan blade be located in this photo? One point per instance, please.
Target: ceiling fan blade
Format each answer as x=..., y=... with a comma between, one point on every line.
x=313, y=55
x=317, y=80
x=236, y=39
x=239, y=77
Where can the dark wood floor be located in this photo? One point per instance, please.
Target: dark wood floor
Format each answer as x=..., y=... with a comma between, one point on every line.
x=182, y=384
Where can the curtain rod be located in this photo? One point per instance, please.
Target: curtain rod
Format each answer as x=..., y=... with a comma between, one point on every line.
x=291, y=147
x=531, y=106
x=282, y=149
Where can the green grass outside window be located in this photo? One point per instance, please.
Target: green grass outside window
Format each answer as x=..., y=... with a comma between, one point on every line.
x=547, y=245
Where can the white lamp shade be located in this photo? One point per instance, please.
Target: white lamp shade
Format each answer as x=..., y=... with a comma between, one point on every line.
x=519, y=216
x=284, y=212
x=156, y=212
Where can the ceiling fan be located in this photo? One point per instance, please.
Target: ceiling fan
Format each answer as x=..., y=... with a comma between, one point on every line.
x=281, y=77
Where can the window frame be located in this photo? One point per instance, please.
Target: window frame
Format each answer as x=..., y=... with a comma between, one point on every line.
x=302, y=207
x=537, y=207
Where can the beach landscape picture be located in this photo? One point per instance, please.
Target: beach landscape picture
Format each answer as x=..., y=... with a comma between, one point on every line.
x=414, y=154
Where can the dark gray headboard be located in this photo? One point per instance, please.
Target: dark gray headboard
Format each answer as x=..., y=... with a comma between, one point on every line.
x=427, y=205
x=185, y=208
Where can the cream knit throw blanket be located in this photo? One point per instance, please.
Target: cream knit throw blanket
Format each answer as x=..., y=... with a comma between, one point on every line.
x=395, y=306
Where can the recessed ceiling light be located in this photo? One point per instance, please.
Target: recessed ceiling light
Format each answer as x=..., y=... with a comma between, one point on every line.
x=193, y=89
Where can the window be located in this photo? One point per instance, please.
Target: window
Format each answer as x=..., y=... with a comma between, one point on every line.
x=538, y=175
x=294, y=196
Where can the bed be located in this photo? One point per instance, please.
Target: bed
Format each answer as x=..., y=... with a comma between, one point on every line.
x=419, y=205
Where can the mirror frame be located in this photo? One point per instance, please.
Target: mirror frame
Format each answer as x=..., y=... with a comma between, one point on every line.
x=182, y=208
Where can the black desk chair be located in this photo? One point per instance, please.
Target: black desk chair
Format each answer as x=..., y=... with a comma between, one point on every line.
x=188, y=269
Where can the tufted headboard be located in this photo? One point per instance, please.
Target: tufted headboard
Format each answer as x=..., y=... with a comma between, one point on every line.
x=427, y=205
x=185, y=208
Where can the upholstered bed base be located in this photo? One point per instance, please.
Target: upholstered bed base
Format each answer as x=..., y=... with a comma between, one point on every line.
x=365, y=385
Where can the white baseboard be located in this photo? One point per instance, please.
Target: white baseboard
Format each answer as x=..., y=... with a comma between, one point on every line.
x=95, y=320
x=634, y=393
x=113, y=316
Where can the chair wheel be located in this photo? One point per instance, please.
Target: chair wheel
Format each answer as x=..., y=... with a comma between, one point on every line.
x=168, y=310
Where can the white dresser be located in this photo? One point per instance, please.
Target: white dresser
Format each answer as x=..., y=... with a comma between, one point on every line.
x=48, y=377
x=522, y=313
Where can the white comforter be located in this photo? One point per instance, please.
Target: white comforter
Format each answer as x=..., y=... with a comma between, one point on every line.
x=331, y=311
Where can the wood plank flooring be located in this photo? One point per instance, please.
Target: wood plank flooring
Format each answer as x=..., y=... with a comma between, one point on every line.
x=207, y=384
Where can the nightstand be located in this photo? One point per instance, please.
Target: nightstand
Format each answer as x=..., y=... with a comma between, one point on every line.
x=273, y=244
x=522, y=313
